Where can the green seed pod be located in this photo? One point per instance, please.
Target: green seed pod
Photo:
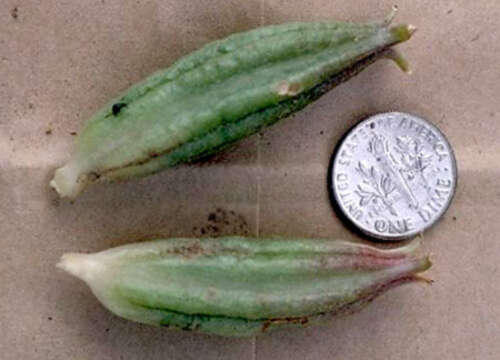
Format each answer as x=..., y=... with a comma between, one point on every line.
x=227, y=90
x=236, y=286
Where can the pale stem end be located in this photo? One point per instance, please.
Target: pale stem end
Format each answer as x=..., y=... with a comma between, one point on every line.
x=83, y=266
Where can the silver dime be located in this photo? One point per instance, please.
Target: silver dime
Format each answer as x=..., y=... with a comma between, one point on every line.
x=394, y=175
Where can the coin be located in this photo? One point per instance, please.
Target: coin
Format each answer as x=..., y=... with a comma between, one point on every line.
x=393, y=175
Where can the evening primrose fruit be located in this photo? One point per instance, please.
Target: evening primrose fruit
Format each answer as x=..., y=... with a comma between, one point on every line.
x=240, y=286
x=213, y=97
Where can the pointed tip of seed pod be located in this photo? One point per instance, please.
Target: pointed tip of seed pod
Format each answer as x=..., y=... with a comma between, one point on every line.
x=410, y=267
x=402, y=33
x=424, y=264
x=398, y=58
x=423, y=279
x=83, y=266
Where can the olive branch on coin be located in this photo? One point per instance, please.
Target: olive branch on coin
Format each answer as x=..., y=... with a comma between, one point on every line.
x=376, y=188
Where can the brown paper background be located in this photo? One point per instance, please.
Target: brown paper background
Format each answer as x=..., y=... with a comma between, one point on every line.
x=61, y=60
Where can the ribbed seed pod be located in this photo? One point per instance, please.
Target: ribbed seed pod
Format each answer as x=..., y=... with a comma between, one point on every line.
x=237, y=286
x=217, y=95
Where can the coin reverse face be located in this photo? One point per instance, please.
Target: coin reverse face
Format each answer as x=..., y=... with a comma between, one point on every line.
x=394, y=175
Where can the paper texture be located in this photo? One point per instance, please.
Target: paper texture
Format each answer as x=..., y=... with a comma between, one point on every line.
x=61, y=60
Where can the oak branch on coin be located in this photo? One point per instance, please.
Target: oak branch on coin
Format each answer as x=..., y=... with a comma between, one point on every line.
x=227, y=90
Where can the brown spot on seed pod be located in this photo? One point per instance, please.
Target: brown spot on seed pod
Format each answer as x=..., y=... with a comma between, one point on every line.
x=266, y=325
x=286, y=88
x=93, y=176
x=323, y=262
x=194, y=249
x=211, y=293
x=282, y=321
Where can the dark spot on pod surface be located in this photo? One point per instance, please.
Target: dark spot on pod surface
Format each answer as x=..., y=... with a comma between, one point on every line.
x=116, y=108
x=190, y=324
x=288, y=320
x=266, y=325
x=93, y=176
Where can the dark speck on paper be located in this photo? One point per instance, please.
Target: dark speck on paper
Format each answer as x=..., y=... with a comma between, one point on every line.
x=222, y=222
x=14, y=13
